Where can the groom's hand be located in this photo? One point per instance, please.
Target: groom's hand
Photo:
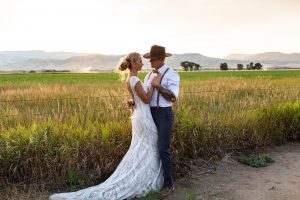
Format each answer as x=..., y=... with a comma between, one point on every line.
x=167, y=94
x=156, y=80
x=130, y=103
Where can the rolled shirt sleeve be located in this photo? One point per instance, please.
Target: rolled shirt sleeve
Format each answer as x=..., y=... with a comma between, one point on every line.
x=173, y=83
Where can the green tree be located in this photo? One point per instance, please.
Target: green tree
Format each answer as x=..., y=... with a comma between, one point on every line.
x=196, y=66
x=185, y=65
x=240, y=66
x=223, y=66
x=191, y=65
x=249, y=66
x=257, y=66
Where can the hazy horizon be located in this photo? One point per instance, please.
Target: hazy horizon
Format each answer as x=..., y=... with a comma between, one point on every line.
x=216, y=28
x=112, y=54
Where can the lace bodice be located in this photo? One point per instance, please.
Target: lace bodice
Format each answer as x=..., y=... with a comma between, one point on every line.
x=140, y=105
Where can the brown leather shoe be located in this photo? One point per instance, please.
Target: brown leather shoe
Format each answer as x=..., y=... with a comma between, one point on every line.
x=166, y=191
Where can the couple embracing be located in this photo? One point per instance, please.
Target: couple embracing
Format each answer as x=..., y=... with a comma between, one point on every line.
x=147, y=165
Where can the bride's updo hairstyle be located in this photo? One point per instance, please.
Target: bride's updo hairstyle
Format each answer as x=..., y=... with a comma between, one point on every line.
x=126, y=63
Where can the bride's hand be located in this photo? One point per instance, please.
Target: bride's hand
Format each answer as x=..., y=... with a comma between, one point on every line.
x=156, y=80
x=130, y=103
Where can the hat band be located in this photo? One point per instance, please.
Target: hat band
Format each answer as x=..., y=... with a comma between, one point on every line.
x=157, y=54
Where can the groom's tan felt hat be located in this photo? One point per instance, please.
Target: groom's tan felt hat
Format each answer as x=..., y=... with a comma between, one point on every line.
x=157, y=51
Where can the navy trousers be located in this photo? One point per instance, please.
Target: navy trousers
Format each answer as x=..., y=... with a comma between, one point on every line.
x=164, y=118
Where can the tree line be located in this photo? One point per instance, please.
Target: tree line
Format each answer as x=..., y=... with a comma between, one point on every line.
x=191, y=66
x=250, y=66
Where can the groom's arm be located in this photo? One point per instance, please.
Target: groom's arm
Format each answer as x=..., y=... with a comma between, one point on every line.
x=167, y=94
x=170, y=93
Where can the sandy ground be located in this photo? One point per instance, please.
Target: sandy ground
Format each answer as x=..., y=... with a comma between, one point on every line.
x=231, y=180
x=279, y=180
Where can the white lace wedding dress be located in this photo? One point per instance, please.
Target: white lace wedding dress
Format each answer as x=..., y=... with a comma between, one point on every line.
x=140, y=170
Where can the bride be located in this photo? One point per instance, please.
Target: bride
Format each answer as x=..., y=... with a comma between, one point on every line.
x=140, y=171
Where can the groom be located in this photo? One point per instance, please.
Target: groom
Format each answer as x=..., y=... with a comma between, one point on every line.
x=166, y=93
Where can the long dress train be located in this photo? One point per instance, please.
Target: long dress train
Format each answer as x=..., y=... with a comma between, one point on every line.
x=139, y=172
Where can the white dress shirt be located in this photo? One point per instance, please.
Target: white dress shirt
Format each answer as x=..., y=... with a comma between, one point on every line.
x=170, y=81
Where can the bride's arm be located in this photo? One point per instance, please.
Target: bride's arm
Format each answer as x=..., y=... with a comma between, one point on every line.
x=145, y=97
x=129, y=90
x=130, y=102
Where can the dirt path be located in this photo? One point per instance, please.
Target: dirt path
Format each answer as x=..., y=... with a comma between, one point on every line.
x=280, y=180
x=234, y=181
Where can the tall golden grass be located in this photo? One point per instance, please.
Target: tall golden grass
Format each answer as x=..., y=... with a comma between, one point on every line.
x=76, y=134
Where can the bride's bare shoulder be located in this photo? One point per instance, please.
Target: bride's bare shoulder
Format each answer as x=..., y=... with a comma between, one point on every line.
x=128, y=80
x=131, y=78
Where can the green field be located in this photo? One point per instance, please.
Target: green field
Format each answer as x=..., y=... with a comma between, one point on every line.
x=111, y=77
x=72, y=130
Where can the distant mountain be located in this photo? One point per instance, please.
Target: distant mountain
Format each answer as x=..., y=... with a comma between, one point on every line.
x=267, y=57
x=237, y=56
x=204, y=61
x=41, y=60
x=96, y=61
x=29, y=60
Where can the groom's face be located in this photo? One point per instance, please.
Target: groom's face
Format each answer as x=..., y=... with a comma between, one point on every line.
x=157, y=62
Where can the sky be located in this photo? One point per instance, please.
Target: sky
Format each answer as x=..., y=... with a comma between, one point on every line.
x=214, y=28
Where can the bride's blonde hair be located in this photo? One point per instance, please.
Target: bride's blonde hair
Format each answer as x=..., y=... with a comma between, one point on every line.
x=125, y=64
